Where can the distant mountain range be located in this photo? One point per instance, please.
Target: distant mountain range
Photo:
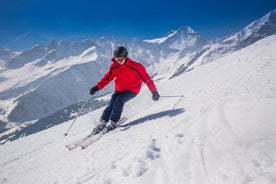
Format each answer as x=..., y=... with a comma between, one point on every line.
x=40, y=82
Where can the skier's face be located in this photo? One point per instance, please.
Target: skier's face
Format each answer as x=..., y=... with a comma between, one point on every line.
x=121, y=60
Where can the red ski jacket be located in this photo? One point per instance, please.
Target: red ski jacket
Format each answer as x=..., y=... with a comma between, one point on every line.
x=128, y=76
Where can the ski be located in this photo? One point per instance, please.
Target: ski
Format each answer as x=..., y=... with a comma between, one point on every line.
x=90, y=139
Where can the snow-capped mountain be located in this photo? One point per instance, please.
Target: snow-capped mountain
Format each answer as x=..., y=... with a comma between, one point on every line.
x=41, y=81
x=25, y=57
x=255, y=31
x=183, y=39
x=5, y=55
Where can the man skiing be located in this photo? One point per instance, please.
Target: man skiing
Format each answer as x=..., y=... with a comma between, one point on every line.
x=128, y=75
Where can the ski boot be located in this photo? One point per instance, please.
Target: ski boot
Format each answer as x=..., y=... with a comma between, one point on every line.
x=110, y=125
x=99, y=127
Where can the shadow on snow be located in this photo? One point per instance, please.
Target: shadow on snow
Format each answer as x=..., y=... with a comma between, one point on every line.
x=169, y=113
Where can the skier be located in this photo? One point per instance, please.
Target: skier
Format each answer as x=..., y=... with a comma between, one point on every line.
x=128, y=75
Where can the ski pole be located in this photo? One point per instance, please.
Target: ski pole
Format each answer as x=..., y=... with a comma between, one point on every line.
x=171, y=96
x=79, y=112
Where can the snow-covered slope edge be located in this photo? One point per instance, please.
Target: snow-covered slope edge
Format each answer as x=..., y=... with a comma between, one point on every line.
x=223, y=131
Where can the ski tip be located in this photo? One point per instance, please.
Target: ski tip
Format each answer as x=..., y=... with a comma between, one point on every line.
x=70, y=147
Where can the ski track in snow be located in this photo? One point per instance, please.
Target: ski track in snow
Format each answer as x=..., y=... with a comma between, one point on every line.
x=222, y=131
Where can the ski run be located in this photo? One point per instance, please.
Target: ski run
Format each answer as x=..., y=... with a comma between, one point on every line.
x=90, y=139
x=223, y=131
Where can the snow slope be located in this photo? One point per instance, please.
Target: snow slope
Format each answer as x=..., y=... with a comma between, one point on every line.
x=222, y=131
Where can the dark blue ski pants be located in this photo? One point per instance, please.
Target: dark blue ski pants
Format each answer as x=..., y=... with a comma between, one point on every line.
x=115, y=107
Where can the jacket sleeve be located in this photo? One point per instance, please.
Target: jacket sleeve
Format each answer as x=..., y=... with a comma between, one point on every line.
x=146, y=78
x=108, y=77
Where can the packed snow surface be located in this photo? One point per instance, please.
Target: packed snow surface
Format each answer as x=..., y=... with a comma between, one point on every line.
x=222, y=131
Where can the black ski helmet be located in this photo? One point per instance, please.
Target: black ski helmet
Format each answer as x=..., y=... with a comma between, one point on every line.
x=120, y=52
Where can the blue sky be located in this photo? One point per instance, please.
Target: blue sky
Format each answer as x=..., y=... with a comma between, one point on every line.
x=24, y=23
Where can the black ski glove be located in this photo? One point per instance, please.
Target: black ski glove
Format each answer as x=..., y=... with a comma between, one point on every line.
x=155, y=95
x=93, y=90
